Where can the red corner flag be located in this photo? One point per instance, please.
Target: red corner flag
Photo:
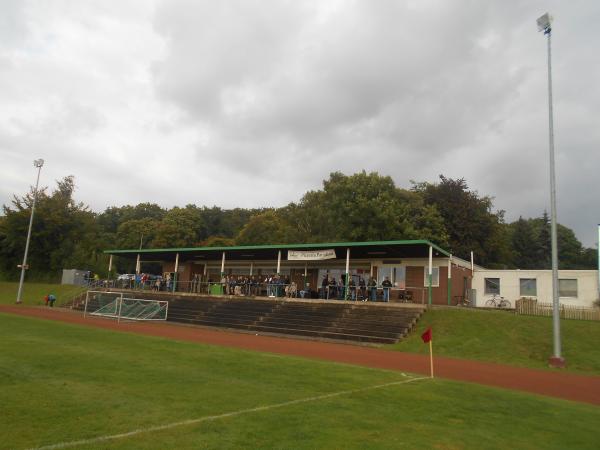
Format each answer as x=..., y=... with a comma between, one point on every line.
x=426, y=336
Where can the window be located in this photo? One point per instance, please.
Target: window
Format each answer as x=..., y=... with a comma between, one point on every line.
x=527, y=287
x=435, y=276
x=567, y=288
x=492, y=286
x=399, y=280
x=382, y=273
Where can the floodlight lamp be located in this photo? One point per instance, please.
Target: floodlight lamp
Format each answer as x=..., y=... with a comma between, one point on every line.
x=38, y=162
x=543, y=23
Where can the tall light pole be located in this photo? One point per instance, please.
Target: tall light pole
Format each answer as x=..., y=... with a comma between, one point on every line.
x=37, y=163
x=556, y=360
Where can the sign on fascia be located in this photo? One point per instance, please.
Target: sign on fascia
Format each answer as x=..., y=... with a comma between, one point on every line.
x=310, y=255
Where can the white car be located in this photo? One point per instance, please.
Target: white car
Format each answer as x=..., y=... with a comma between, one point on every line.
x=126, y=277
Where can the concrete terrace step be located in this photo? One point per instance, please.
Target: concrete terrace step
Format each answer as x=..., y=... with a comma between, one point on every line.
x=313, y=318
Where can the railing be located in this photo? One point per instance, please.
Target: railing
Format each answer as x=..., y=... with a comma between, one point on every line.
x=249, y=288
x=532, y=307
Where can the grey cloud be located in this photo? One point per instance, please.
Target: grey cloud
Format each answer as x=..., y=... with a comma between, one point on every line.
x=251, y=103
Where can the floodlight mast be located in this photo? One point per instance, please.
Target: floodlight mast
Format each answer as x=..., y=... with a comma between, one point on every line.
x=37, y=163
x=556, y=360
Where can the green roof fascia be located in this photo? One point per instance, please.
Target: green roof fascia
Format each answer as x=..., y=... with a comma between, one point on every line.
x=281, y=246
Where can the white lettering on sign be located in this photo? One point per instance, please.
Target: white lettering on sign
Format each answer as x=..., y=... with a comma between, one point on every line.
x=310, y=255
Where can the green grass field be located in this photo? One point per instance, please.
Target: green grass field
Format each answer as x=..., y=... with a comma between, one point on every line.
x=503, y=337
x=60, y=383
x=494, y=336
x=33, y=293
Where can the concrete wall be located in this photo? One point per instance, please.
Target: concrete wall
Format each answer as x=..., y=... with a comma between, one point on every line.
x=587, y=285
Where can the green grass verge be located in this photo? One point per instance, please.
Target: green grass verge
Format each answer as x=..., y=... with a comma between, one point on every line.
x=33, y=293
x=507, y=338
x=61, y=382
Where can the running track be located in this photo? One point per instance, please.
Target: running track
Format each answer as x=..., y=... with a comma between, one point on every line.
x=559, y=384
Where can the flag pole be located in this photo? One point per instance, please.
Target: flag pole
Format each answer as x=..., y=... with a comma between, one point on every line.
x=431, y=356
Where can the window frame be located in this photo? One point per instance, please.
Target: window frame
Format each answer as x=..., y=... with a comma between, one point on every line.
x=521, y=294
x=433, y=276
x=486, y=291
x=576, y=288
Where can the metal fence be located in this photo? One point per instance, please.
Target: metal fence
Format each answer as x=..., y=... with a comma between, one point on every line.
x=254, y=288
x=532, y=307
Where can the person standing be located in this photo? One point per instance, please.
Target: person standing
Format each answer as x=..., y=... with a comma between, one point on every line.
x=362, y=289
x=386, y=285
x=324, y=287
x=352, y=287
x=372, y=285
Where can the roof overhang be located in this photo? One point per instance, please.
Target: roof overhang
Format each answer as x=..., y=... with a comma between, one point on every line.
x=358, y=250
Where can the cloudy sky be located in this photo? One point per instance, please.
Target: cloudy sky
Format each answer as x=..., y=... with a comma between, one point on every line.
x=251, y=103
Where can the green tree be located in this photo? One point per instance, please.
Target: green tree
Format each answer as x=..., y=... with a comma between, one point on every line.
x=364, y=207
x=180, y=227
x=267, y=228
x=62, y=235
x=134, y=233
x=470, y=221
x=217, y=241
x=524, y=245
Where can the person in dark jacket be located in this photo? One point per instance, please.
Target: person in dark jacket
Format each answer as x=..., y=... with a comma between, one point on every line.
x=386, y=285
x=372, y=285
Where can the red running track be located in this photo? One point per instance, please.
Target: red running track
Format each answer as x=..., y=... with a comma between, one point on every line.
x=569, y=386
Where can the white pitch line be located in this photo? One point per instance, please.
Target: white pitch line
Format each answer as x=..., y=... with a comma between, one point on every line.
x=218, y=416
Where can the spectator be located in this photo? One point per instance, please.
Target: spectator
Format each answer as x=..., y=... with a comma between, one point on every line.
x=387, y=284
x=51, y=300
x=324, y=287
x=332, y=288
x=291, y=290
x=372, y=285
x=362, y=289
x=352, y=289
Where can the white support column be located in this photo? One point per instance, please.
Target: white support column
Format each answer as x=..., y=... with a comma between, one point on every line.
x=347, y=274
x=175, y=275
x=305, y=269
x=278, y=262
x=472, y=265
x=347, y=261
x=450, y=279
x=430, y=292
x=223, y=264
x=137, y=264
x=109, y=265
x=371, y=273
x=251, y=267
x=205, y=268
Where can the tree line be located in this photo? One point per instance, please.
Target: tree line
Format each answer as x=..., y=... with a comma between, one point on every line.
x=359, y=207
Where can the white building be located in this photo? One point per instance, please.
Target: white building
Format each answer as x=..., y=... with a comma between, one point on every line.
x=576, y=287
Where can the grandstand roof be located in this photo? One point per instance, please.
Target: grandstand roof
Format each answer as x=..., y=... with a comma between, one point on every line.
x=359, y=250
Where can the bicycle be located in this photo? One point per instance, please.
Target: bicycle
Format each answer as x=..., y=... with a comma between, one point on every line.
x=462, y=301
x=497, y=302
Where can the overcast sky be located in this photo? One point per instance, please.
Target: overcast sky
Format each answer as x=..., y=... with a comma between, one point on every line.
x=252, y=103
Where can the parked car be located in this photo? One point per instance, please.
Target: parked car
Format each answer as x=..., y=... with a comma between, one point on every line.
x=126, y=277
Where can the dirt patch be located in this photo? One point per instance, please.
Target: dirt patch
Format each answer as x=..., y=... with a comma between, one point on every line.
x=563, y=385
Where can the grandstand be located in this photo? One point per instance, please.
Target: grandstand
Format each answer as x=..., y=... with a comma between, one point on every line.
x=355, y=322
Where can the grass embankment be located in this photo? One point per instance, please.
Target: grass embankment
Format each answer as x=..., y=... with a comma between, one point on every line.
x=506, y=338
x=33, y=293
x=61, y=382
